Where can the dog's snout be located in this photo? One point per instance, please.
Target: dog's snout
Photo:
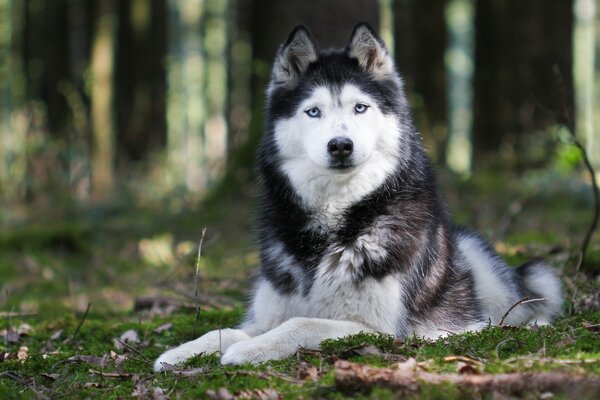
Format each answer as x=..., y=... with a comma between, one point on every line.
x=340, y=147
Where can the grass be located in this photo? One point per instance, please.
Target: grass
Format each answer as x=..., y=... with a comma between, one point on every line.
x=52, y=265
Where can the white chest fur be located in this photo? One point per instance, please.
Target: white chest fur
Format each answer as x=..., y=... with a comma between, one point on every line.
x=334, y=295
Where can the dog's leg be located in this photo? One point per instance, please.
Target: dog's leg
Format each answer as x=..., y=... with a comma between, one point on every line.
x=284, y=340
x=211, y=342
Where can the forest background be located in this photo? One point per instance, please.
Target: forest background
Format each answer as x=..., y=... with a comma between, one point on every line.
x=127, y=127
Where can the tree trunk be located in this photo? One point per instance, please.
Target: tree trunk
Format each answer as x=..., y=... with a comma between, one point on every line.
x=421, y=39
x=141, y=79
x=102, y=114
x=519, y=46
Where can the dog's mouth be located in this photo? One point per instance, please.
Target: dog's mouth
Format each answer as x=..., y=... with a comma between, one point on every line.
x=341, y=165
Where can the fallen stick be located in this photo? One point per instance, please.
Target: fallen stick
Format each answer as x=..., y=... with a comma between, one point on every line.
x=406, y=376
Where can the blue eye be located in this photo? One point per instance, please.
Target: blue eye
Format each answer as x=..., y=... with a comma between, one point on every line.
x=360, y=108
x=313, y=112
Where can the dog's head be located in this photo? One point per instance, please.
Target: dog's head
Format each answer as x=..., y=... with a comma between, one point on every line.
x=335, y=117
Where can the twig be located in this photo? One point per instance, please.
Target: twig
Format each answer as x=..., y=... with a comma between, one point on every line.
x=524, y=300
x=136, y=351
x=8, y=327
x=263, y=375
x=197, y=293
x=110, y=374
x=558, y=361
x=74, y=336
x=570, y=125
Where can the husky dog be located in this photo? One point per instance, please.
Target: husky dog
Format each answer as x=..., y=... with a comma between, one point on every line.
x=353, y=235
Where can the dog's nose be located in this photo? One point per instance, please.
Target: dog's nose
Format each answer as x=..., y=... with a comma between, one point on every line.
x=340, y=147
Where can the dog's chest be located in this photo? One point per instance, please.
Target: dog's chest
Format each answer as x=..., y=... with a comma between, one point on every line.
x=336, y=294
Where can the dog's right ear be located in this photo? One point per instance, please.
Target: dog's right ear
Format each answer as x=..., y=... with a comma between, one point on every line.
x=294, y=57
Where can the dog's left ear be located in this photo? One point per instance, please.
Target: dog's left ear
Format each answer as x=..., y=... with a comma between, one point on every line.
x=369, y=49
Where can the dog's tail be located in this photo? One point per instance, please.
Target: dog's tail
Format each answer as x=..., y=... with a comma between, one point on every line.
x=541, y=282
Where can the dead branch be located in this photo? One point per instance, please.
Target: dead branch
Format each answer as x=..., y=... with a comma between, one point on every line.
x=524, y=300
x=263, y=375
x=144, y=359
x=567, y=120
x=74, y=336
x=407, y=377
x=197, y=292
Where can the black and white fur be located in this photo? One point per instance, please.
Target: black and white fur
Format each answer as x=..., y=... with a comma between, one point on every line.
x=353, y=234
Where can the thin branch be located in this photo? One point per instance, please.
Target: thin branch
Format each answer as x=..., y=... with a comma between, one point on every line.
x=570, y=125
x=136, y=351
x=524, y=300
x=74, y=336
x=263, y=375
x=197, y=293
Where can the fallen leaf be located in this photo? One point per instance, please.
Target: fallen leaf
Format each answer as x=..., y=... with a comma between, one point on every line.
x=185, y=372
x=368, y=350
x=261, y=394
x=118, y=358
x=24, y=329
x=10, y=335
x=466, y=368
x=595, y=328
x=52, y=377
x=306, y=371
x=93, y=360
x=23, y=353
x=56, y=334
x=128, y=337
x=159, y=394
x=408, y=366
x=110, y=374
x=163, y=328
x=220, y=394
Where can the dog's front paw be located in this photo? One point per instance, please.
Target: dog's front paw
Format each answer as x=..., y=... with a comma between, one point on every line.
x=251, y=352
x=169, y=359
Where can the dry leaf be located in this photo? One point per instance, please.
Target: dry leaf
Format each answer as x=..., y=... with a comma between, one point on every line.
x=94, y=360
x=56, y=334
x=306, y=371
x=466, y=368
x=163, y=328
x=128, y=337
x=24, y=329
x=408, y=366
x=368, y=350
x=220, y=394
x=23, y=353
x=261, y=394
x=10, y=335
x=52, y=377
x=110, y=374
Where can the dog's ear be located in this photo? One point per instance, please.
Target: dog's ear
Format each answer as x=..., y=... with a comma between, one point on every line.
x=294, y=57
x=369, y=49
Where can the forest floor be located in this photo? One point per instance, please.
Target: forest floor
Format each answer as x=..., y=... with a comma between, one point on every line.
x=90, y=297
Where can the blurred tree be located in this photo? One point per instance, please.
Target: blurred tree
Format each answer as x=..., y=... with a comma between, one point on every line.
x=102, y=97
x=140, y=74
x=420, y=39
x=518, y=45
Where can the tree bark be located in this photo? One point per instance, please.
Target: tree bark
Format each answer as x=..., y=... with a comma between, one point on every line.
x=517, y=47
